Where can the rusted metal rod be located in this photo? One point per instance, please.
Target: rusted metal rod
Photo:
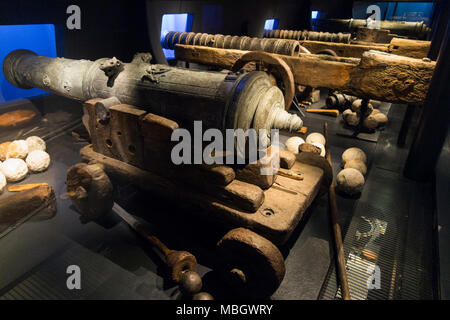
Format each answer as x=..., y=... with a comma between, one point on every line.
x=339, y=247
x=308, y=35
x=278, y=46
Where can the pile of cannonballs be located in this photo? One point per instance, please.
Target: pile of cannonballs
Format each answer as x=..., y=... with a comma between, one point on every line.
x=315, y=142
x=350, y=180
x=19, y=157
x=371, y=119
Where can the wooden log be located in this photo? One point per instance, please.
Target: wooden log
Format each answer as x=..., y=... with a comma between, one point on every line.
x=21, y=204
x=377, y=75
x=16, y=118
x=409, y=48
x=90, y=190
x=388, y=77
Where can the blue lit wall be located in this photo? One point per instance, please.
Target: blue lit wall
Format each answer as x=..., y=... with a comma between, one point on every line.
x=412, y=11
x=314, y=14
x=398, y=11
x=39, y=38
x=175, y=22
x=271, y=24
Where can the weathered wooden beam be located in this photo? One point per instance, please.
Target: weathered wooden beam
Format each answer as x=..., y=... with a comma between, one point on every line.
x=377, y=75
x=20, y=204
x=388, y=77
x=403, y=47
x=342, y=49
x=409, y=48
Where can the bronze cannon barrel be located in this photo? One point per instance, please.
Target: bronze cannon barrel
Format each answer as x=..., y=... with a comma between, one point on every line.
x=219, y=100
x=308, y=35
x=278, y=46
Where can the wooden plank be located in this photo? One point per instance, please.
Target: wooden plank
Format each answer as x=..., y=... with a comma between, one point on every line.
x=377, y=75
x=157, y=132
x=98, y=130
x=125, y=137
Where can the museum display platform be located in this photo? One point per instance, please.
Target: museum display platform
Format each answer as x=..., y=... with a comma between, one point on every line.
x=117, y=264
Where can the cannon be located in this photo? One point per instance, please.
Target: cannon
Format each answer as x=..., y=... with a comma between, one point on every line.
x=404, y=28
x=132, y=111
x=278, y=46
x=308, y=35
x=219, y=100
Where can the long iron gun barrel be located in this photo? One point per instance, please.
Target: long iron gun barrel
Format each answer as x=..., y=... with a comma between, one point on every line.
x=405, y=28
x=219, y=100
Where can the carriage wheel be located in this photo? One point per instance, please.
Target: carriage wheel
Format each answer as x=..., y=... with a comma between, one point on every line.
x=90, y=190
x=251, y=264
x=275, y=66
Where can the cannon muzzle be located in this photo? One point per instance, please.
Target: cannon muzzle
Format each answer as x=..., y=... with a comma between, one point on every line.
x=220, y=100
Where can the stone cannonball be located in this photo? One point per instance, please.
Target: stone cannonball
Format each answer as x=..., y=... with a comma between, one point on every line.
x=202, y=296
x=316, y=137
x=38, y=160
x=381, y=118
x=2, y=182
x=3, y=150
x=356, y=164
x=351, y=118
x=17, y=149
x=350, y=181
x=14, y=169
x=35, y=143
x=356, y=107
x=353, y=154
x=190, y=282
x=293, y=143
x=370, y=122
